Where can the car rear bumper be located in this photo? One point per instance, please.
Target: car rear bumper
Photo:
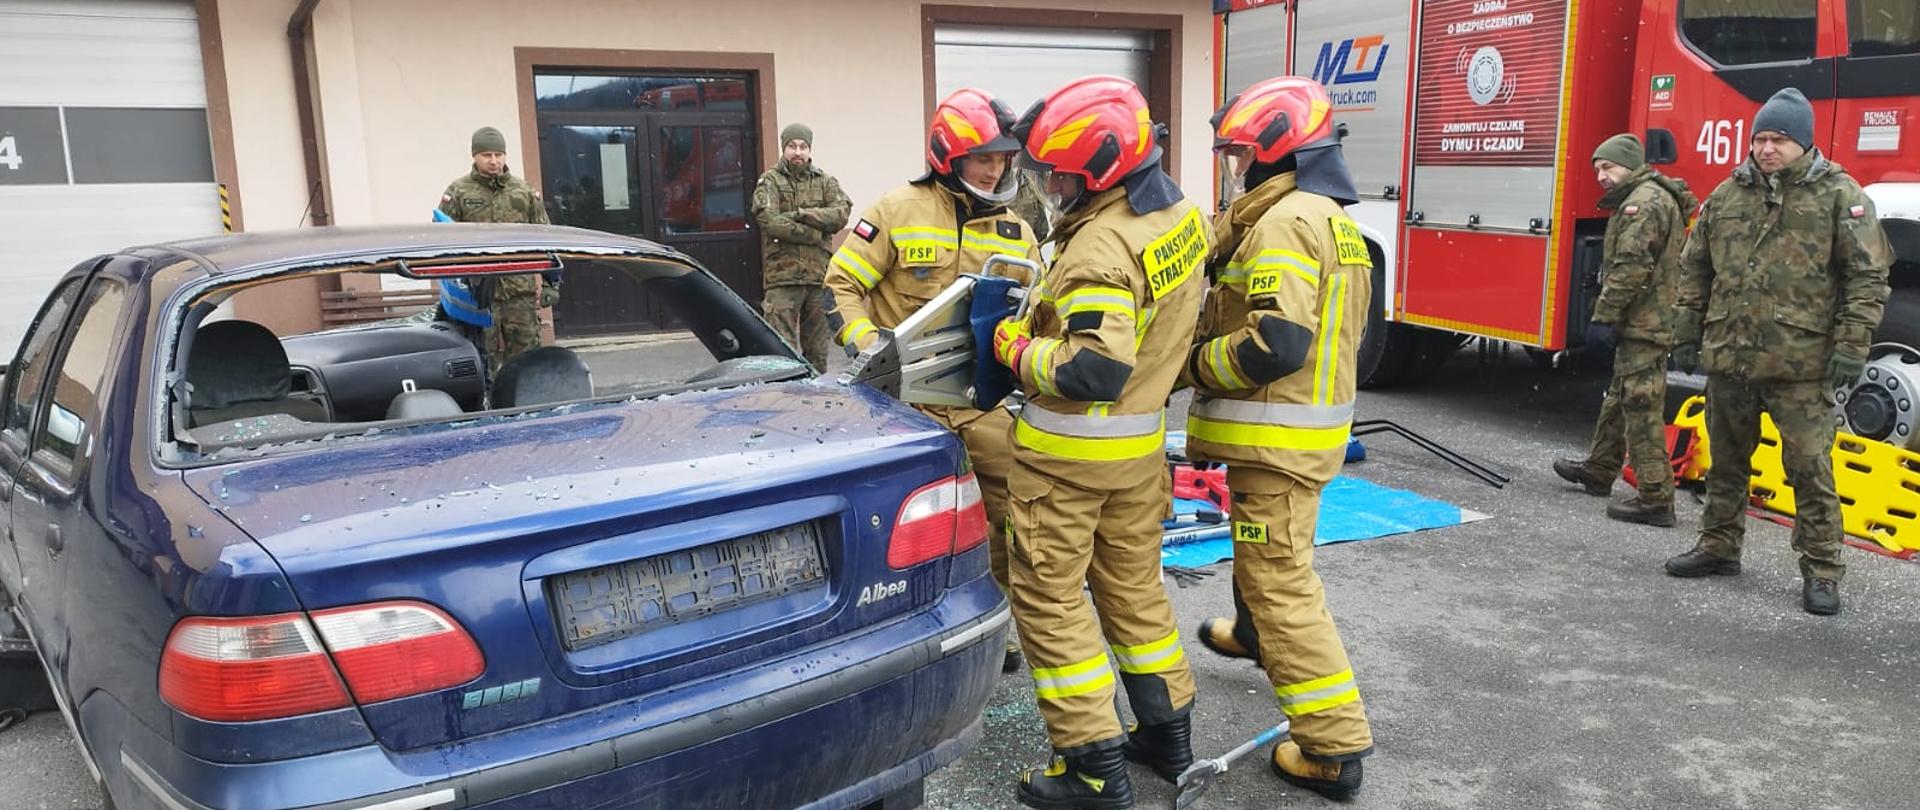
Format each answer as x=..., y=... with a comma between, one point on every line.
x=897, y=716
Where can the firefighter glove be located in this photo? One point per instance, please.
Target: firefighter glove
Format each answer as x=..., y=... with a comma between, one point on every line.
x=1010, y=339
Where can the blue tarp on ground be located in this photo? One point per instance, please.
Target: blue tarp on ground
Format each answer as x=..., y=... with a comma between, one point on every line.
x=1350, y=509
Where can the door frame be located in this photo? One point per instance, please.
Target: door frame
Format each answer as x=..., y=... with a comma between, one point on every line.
x=527, y=61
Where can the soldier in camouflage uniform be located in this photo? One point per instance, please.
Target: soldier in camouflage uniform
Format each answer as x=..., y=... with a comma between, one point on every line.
x=1640, y=269
x=798, y=208
x=490, y=193
x=1784, y=280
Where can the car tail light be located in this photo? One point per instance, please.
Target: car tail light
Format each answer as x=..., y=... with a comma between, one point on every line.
x=971, y=528
x=267, y=667
x=936, y=520
x=392, y=650
x=258, y=668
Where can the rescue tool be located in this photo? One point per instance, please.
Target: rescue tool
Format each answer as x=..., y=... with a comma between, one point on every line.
x=943, y=353
x=1198, y=777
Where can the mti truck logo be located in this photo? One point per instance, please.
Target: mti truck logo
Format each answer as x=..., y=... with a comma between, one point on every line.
x=1356, y=60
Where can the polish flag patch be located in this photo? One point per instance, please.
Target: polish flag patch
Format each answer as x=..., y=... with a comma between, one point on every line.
x=1630, y=210
x=865, y=230
x=1857, y=211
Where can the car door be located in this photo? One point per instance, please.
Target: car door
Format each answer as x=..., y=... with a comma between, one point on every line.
x=50, y=496
x=24, y=384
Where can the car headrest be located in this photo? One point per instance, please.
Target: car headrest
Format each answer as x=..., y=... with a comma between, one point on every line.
x=233, y=362
x=425, y=403
x=542, y=376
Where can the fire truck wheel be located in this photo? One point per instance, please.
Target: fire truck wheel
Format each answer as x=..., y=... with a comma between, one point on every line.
x=1884, y=403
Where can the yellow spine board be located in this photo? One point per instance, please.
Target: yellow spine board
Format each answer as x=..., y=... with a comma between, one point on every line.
x=1879, y=484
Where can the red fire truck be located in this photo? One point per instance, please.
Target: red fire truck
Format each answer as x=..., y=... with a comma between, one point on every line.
x=1471, y=124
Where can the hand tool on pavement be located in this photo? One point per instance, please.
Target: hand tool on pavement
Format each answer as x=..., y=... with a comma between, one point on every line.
x=1195, y=780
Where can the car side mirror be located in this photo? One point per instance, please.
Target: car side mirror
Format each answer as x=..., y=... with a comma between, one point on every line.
x=729, y=344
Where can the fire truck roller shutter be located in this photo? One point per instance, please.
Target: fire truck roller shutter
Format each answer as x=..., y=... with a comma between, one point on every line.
x=1021, y=65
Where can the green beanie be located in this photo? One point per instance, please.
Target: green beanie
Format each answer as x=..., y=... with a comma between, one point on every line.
x=1623, y=150
x=488, y=139
x=796, y=132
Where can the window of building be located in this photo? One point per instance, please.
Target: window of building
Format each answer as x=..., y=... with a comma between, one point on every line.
x=1752, y=32
x=587, y=92
x=1884, y=27
x=25, y=378
x=704, y=183
x=75, y=391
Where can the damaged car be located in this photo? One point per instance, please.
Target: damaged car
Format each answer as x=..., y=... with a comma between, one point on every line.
x=349, y=566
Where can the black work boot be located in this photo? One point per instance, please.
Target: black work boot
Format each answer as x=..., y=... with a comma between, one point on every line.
x=1167, y=747
x=1821, y=597
x=1338, y=781
x=1638, y=509
x=1012, y=662
x=1096, y=781
x=1700, y=563
x=1575, y=472
x=1227, y=638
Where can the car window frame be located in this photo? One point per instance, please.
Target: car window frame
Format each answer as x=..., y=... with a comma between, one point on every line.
x=21, y=445
x=55, y=467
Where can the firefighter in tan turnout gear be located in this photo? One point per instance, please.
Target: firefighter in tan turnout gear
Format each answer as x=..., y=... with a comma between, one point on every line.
x=1274, y=372
x=915, y=241
x=1097, y=354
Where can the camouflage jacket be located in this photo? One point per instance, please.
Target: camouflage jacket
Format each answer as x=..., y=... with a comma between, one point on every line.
x=798, y=213
x=1785, y=270
x=500, y=198
x=1640, y=271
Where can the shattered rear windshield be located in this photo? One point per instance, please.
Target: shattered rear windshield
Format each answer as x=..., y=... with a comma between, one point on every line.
x=391, y=350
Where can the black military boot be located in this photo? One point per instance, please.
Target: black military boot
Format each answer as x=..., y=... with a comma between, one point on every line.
x=1700, y=563
x=1575, y=472
x=1167, y=747
x=1821, y=597
x=1338, y=781
x=1638, y=509
x=1096, y=781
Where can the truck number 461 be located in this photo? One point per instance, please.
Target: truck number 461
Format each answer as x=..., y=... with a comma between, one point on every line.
x=9, y=153
x=1722, y=142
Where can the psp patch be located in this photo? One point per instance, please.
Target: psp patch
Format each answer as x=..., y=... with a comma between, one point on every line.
x=1249, y=532
x=1007, y=230
x=865, y=230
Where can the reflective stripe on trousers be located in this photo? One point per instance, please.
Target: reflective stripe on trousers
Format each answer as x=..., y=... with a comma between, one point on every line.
x=1276, y=425
x=1091, y=437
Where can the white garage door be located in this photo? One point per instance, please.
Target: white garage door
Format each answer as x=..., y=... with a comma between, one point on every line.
x=1022, y=65
x=103, y=139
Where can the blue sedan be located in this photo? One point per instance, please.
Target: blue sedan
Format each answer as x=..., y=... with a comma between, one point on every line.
x=274, y=560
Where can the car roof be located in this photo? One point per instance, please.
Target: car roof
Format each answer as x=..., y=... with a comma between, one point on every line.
x=222, y=255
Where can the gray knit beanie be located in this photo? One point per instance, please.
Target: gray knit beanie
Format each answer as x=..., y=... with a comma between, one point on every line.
x=1789, y=114
x=488, y=139
x=1623, y=150
x=796, y=132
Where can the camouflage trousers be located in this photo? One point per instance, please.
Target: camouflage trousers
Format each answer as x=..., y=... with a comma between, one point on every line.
x=1803, y=413
x=1631, y=426
x=798, y=313
x=515, y=331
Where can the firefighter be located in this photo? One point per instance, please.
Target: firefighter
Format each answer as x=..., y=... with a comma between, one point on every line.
x=1635, y=315
x=1097, y=354
x=1274, y=371
x=914, y=241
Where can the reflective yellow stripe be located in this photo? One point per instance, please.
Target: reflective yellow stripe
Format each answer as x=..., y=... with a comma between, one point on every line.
x=859, y=328
x=1341, y=699
x=1233, y=274
x=1277, y=437
x=938, y=237
x=1079, y=448
x=1152, y=657
x=1330, y=318
x=857, y=267
x=1220, y=359
x=1040, y=364
x=976, y=239
x=1086, y=677
x=1096, y=299
x=1140, y=327
x=1318, y=694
